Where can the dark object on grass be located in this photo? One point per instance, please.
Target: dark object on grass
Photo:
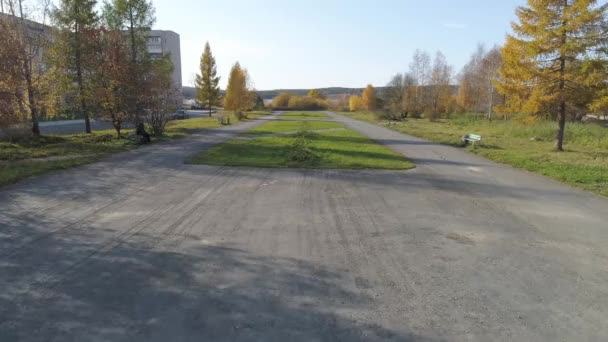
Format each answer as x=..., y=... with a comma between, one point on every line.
x=141, y=131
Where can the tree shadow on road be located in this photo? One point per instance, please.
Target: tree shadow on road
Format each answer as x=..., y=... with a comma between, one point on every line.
x=94, y=283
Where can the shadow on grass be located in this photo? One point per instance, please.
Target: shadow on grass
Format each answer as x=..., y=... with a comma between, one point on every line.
x=152, y=283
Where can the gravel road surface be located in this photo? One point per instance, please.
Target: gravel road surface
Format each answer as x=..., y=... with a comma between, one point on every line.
x=142, y=247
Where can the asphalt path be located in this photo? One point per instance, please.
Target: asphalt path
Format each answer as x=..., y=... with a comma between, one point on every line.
x=61, y=127
x=143, y=247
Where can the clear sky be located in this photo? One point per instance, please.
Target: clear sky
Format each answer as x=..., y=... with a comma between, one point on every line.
x=312, y=43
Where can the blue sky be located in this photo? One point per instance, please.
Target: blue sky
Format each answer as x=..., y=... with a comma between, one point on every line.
x=308, y=44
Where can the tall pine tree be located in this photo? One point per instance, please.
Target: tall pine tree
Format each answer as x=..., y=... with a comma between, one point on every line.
x=76, y=21
x=207, y=82
x=543, y=63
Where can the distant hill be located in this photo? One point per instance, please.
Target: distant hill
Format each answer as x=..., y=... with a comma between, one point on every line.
x=331, y=92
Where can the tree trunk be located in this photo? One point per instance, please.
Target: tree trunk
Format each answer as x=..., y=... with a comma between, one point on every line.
x=132, y=34
x=33, y=105
x=136, y=103
x=83, y=105
x=27, y=72
x=559, y=142
x=117, y=127
x=491, y=104
x=209, y=108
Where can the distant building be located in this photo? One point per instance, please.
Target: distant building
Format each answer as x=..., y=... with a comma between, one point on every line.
x=161, y=43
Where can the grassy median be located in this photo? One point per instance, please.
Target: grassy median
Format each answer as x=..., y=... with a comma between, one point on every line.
x=310, y=144
x=584, y=164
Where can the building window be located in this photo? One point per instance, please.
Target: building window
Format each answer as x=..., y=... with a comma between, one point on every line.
x=155, y=45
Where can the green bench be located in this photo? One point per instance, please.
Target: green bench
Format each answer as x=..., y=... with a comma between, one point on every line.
x=471, y=138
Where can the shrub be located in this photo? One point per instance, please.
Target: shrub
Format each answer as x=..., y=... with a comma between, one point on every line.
x=300, y=152
x=339, y=105
x=356, y=104
x=281, y=100
x=306, y=103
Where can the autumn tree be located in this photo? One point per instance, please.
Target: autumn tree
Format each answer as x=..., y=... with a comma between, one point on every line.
x=237, y=94
x=477, y=90
x=135, y=18
x=207, y=82
x=597, y=81
x=369, y=98
x=420, y=69
x=159, y=95
x=409, y=94
x=258, y=101
x=281, y=100
x=440, y=90
x=27, y=85
x=111, y=77
x=76, y=22
x=316, y=94
x=394, y=93
x=355, y=103
x=544, y=61
x=11, y=75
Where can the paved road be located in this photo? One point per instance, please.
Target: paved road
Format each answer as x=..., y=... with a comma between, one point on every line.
x=72, y=126
x=77, y=126
x=142, y=247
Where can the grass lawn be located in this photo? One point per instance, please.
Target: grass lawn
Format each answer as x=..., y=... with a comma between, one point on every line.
x=293, y=126
x=584, y=164
x=340, y=149
x=183, y=128
x=27, y=157
x=303, y=115
x=33, y=156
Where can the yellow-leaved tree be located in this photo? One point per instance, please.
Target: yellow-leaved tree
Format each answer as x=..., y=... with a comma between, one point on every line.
x=237, y=95
x=316, y=94
x=355, y=103
x=369, y=97
x=281, y=101
x=544, y=61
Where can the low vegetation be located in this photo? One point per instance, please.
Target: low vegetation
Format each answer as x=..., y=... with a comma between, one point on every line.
x=315, y=100
x=337, y=148
x=525, y=145
x=293, y=126
x=303, y=115
x=28, y=156
x=21, y=158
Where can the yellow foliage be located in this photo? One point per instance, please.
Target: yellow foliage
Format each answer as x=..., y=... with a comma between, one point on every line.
x=306, y=103
x=288, y=101
x=355, y=103
x=315, y=94
x=238, y=97
x=281, y=100
x=369, y=97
